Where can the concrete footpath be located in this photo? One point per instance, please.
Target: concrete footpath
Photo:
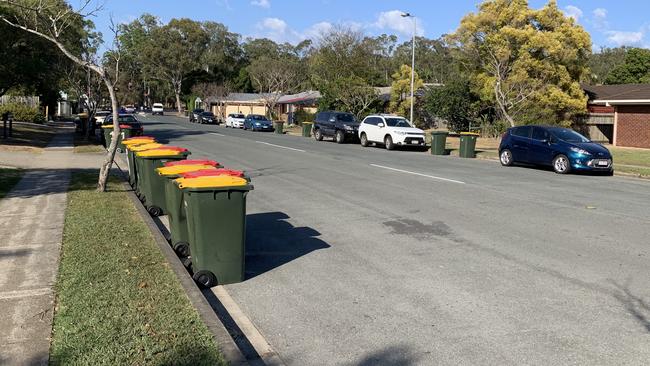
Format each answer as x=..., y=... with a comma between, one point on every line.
x=31, y=229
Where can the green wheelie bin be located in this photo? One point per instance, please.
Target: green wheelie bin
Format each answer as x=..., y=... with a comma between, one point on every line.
x=173, y=200
x=216, y=219
x=134, y=163
x=439, y=142
x=278, y=127
x=126, y=132
x=306, y=129
x=467, y=144
x=130, y=143
x=152, y=185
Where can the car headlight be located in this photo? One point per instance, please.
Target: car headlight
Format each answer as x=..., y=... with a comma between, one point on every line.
x=580, y=151
x=400, y=132
x=349, y=128
x=257, y=124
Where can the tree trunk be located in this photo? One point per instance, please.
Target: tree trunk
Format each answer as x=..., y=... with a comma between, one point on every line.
x=110, y=155
x=178, y=102
x=502, y=107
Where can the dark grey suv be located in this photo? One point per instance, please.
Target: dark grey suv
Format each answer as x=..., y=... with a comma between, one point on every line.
x=340, y=125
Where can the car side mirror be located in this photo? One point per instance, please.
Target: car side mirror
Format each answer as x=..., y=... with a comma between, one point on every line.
x=380, y=124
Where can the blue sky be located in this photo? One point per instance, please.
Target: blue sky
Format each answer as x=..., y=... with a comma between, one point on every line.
x=610, y=23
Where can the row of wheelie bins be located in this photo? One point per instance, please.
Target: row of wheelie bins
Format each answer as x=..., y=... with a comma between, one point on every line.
x=204, y=203
x=467, y=144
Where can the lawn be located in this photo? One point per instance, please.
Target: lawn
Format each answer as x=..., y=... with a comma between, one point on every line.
x=117, y=300
x=28, y=137
x=8, y=179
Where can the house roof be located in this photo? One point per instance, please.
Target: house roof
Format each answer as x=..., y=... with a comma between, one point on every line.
x=306, y=96
x=618, y=94
x=243, y=97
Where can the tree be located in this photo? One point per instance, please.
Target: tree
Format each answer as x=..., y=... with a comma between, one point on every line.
x=174, y=50
x=434, y=59
x=635, y=69
x=453, y=102
x=51, y=20
x=355, y=95
x=400, y=94
x=602, y=63
x=272, y=77
x=521, y=59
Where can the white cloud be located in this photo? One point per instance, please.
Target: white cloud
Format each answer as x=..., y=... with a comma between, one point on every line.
x=600, y=13
x=600, y=19
x=317, y=29
x=621, y=38
x=394, y=20
x=266, y=4
x=573, y=12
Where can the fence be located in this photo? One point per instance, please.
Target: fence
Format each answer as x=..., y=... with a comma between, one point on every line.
x=32, y=101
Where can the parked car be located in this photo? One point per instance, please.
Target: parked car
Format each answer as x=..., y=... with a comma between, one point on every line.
x=100, y=116
x=562, y=148
x=235, y=120
x=340, y=125
x=391, y=131
x=194, y=115
x=206, y=117
x=124, y=119
x=157, y=108
x=129, y=109
x=257, y=122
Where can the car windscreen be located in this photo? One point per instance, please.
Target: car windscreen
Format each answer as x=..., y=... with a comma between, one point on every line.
x=344, y=117
x=237, y=115
x=397, y=122
x=258, y=117
x=127, y=119
x=568, y=135
x=207, y=114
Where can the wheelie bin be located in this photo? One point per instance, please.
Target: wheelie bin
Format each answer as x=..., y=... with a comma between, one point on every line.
x=131, y=142
x=306, y=129
x=150, y=183
x=173, y=199
x=193, y=162
x=215, y=172
x=134, y=163
x=278, y=127
x=216, y=220
x=439, y=142
x=467, y=144
x=126, y=131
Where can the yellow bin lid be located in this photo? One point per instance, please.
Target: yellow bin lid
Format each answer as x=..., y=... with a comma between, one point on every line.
x=152, y=153
x=469, y=134
x=137, y=142
x=178, y=169
x=144, y=147
x=107, y=126
x=219, y=181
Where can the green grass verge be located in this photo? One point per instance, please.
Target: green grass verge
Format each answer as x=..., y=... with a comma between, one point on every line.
x=118, y=302
x=30, y=136
x=8, y=179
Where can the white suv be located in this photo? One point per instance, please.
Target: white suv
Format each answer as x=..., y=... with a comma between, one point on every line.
x=235, y=120
x=389, y=130
x=157, y=108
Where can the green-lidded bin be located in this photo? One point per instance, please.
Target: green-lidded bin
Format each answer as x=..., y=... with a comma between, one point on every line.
x=278, y=127
x=439, y=142
x=150, y=184
x=306, y=129
x=173, y=202
x=467, y=145
x=216, y=219
x=132, y=160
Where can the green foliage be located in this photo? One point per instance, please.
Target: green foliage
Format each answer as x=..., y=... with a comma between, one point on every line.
x=635, y=69
x=602, y=63
x=23, y=113
x=302, y=115
x=400, y=94
x=522, y=59
x=453, y=102
x=434, y=60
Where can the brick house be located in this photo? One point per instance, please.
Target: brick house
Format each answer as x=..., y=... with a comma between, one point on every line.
x=619, y=114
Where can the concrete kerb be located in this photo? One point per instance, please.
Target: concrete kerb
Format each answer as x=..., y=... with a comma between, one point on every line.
x=227, y=346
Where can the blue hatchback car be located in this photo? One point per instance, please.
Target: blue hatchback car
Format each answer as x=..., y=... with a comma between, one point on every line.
x=257, y=122
x=562, y=148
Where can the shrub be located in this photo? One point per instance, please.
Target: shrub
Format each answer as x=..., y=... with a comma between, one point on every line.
x=301, y=116
x=23, y=113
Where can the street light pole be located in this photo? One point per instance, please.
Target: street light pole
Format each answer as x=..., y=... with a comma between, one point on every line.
x=408, y=15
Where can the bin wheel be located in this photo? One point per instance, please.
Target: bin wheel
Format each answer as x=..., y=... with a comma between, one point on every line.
x=154, y=211
x=118, y=150
x=182, y=249
x=206, y=279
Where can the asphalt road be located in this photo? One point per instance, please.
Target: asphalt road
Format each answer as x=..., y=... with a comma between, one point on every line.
x=362, y=256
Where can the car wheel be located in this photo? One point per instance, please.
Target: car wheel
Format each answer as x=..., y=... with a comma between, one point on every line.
x=561, y=164
x=339, y=137
x=388, y=141
x=364, y=139
x=506, y=157
x=318, y=135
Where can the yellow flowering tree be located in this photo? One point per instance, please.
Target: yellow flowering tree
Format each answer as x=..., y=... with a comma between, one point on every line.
x=400, y=94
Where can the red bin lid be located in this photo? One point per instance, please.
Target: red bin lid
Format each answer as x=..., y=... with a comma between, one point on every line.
x=193, y=162
x=175, y=148
x=212, y=172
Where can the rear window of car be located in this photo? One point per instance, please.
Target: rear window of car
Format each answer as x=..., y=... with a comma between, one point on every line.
x=157, y=105
x=322, y=116
x=523, y=131
x=371, y=121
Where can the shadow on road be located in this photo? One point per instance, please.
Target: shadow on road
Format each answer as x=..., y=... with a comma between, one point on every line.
x=165, y=136
x=393, y=356
x=638, y=307
x=271, y=241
